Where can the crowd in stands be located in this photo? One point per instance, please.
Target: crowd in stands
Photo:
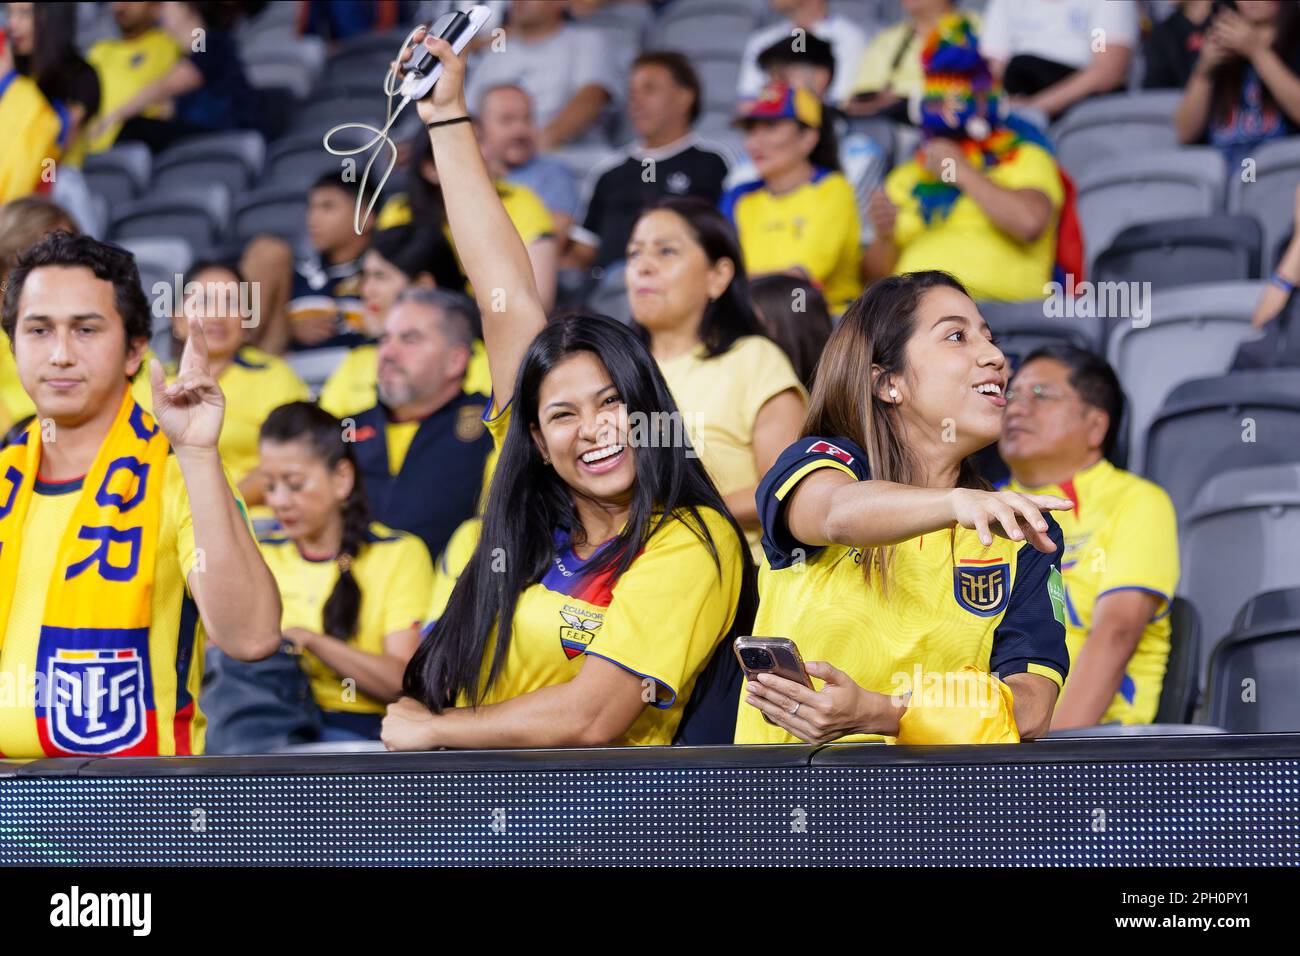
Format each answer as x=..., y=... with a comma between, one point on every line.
x=426, y=432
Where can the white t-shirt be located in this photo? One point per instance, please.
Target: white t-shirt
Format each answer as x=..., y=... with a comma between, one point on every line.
x=847, y=42
x=1056, y=30
x=551, y=70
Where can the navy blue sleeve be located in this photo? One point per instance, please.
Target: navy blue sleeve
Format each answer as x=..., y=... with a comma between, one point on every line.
x=1031, y=635
x=796, y=462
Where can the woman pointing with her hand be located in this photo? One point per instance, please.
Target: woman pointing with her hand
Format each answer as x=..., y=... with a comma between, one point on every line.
x=928, y=607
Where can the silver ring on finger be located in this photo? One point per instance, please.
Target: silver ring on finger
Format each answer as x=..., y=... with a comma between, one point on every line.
x=795, y=709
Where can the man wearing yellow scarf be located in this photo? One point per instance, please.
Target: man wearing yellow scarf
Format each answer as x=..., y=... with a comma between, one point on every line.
x=122, y=541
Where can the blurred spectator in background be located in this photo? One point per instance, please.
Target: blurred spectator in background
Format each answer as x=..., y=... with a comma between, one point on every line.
x=666, y=159
x=398, y=259
x=794, y=313
x=509, y=141
x=142, y=57
x=564, y=69
x=314, y=303
x=205, y=91
x=1246, y=85
x=354, y=592
x=743, y=403
x=423, y=205
x=335, y=20
x=800, y=215
x=1049, y=54
x=34, y=131
x=1273, y=341
x=813, y=17
x=1120, y=563
x=1171, y=49
x=44, y=37
x=22, y=223
x=812, y=67
x=422, y=447
x=252, y=381
x=982, y=197
x=889, y=71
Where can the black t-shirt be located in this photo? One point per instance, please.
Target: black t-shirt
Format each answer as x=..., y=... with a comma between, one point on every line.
x=225, y=100
x=622, y=192
x=74, y=82
x=1171, y=51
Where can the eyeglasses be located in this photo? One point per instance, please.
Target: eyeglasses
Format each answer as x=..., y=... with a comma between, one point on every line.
x=1031, y=395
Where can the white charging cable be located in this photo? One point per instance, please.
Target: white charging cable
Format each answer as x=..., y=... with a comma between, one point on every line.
x=379, y=139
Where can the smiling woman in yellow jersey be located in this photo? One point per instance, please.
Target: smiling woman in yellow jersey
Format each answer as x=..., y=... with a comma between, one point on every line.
x=608, y=575
x=354, y=591
x=888, y=563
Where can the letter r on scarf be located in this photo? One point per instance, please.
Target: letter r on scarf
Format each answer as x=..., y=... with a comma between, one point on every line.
x=107, y=536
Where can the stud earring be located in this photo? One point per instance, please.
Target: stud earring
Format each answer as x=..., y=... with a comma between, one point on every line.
x=893, y=393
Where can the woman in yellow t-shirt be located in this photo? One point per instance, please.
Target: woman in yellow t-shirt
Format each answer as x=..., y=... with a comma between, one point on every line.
x=739, y=398
x=353, y=590
x=608, y=577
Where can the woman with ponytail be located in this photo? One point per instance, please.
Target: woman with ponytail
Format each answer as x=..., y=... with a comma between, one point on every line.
x=353, y=590
x=608, y=580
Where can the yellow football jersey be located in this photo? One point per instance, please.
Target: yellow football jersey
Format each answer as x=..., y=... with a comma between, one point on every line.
x=125, y=67
x=395, y=575
x=814, y=227
x=626, y=620
x=1121, y=535
x=951, y=601
x=173, y=659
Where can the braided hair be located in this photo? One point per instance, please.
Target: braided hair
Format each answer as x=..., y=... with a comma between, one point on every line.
x=323, y=433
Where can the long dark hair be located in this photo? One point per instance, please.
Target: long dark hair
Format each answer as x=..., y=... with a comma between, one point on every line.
x=731, y=315
x=54, y=62
x=1229, y=76
x=323, y=434
x=827, y=151
x=527, y=502
x=795, y=314
x=874, y=332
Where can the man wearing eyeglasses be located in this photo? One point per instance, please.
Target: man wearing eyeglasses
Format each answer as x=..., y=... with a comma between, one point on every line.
x=1120, y=564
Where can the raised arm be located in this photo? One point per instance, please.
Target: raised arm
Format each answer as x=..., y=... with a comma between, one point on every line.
x=495, y=259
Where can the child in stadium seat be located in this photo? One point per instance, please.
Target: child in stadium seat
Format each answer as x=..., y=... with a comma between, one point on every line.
x=1121, y=537
x=1050, y=54
x=314, y=303
x=608, y=573
x=111, y=516
x=982, y=197
x=741, y=399
x=800, y=214
x=354, y=590
x=253, y=382
x=1245, y=89
x=889, y=563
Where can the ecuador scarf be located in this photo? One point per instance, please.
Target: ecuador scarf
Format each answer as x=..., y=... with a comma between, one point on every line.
x=100, y=593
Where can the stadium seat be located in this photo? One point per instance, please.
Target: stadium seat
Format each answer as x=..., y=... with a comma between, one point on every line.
x=300, y=159
x=197, y=214
x=119, y=174
x=244, y=145
x=1181, y=687
x=315, y=366
x=718, y=73
x=1170, y=252
x=1145, y=187
x=1255, y=670
x=169, y=254
x=695, y=26
x=178, y=171
x=1238, y=539
x=1193, y=332
x=322, y=115
x=1115, y=127
x=291, y=74
x=1210, y=425
x=275, y=210
x=1021, y=327
x=1271, y=197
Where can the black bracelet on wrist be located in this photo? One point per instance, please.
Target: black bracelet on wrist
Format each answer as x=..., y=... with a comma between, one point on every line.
x=447, y=122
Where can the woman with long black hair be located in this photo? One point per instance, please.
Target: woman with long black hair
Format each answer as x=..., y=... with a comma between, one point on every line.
x=353, y=590
x=608, y=571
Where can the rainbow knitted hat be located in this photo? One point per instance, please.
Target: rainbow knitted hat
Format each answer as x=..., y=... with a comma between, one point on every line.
x=958, y=86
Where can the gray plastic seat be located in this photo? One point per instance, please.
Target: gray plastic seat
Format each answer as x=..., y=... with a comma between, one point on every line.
x=1175, y=252
x=183, y=172
x=119, y=174
x=321, y=116
x=1181, y=687
x=1115, y=126
x=1021, y=327
x=1205, y=428
x=301, y=158
x=290, y=74
x=315, y=366
x=718, y=73
x=1255, y=670
x=1240, y=536
x=169, y=253
x=1146, y=187
x=197, y=214
x=1271, y=197
x=1193, y=332
x=696, y=26
x=274, y=210
x=245, y=146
